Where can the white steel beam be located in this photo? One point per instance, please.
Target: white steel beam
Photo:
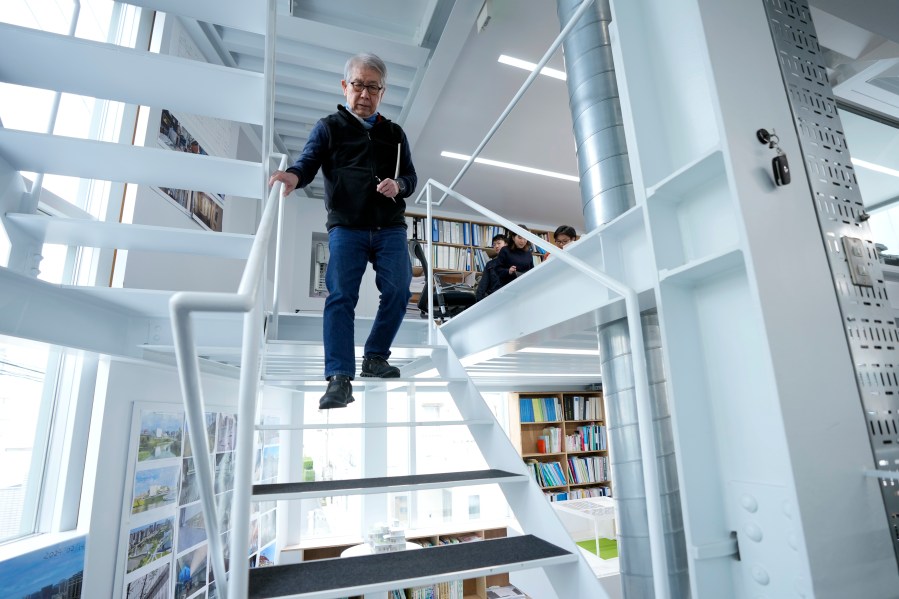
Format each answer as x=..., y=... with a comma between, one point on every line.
x=90, y=159
x=239, y=14
x=92, y=233
x=33, y=309
x=111, y=72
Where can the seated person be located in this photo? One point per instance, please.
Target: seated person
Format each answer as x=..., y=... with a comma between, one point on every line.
x=490, y=279
x=562, y=236
x=515, y=259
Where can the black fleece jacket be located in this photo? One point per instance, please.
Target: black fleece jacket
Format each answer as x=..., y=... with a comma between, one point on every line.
x=353, y=159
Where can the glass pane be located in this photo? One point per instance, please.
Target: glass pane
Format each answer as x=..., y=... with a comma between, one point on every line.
x=23, y=433
x=331, y=454
x=873, y=145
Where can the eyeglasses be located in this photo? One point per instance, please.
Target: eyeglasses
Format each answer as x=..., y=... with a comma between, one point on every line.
x=372, y=88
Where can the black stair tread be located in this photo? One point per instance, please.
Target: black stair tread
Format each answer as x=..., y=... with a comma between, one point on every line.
x=429, y=563
x=381, y=481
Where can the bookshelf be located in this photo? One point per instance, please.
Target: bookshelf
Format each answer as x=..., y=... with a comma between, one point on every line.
x=472, y=588
x=460, y=246
x=563, y=438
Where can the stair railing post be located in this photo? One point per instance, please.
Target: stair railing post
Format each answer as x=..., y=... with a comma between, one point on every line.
x=248, y=301
x=268, y=137
x=238, y=582
x=194, y=408
x=430, y=252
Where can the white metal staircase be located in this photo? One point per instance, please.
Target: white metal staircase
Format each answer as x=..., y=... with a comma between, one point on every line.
x=547, y=547
x=242, y=96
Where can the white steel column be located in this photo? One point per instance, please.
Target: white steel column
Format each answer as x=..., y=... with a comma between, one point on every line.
x=769, y=433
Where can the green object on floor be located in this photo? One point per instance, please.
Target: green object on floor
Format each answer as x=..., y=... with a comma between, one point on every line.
x=608, y=548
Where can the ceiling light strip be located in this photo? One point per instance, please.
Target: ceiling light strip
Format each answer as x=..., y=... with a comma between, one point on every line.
x=511, y=166
x=530, y=66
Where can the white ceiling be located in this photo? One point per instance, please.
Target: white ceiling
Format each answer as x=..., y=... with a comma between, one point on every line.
x=445, y=87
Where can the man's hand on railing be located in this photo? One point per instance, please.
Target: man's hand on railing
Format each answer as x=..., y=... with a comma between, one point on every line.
x=288, y=179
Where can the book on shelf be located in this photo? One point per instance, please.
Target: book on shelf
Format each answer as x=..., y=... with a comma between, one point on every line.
x=540, y=409
x=552, y=439
x=445, y=590
x=557, y=495
x=589, y=469
x=589, y=492
x=547, y=474
x=578, y=407
x=587, y=438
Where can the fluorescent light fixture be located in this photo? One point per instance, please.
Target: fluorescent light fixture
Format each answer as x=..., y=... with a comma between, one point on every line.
x=875, y=167
x=514, y=167
x=530, y=66
x=563, y=352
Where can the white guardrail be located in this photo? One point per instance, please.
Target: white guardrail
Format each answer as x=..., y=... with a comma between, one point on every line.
x=249, y=300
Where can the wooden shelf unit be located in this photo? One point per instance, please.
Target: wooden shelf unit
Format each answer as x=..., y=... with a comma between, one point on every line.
x=472, y=588
x=525, y=436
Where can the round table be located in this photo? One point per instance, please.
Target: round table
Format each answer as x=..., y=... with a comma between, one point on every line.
x=365, y=549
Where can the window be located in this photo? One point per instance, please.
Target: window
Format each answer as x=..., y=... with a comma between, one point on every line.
x=337, y=453
x=31, y=109
x=37, y=382
x=873, y=145
x=24, y=429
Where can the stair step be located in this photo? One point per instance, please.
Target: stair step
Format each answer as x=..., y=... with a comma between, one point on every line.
x=238, y=14
x=314, y=380
x=98, y=234
x=383, y=484
x=349, y=576
x=406, y=424
x=89, y=159
x=297, y=331
x=82, y=67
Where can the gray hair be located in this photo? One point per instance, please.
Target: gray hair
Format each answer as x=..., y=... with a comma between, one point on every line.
x=366, y=60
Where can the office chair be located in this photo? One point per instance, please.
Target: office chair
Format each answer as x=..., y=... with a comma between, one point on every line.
x=450, y=299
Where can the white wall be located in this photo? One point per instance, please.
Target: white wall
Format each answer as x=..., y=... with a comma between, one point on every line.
x=126, y=384
x=185, y=272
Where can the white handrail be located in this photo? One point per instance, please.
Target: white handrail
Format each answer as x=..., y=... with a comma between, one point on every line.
x=641, y=380
x=248, y=300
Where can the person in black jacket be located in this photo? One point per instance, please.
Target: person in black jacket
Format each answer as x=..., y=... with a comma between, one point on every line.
x=489, y=281
x=515, y=259
x=367, y=167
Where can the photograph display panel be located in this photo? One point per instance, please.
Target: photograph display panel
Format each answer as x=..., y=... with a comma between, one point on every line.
x=53, y=571
x=204, y=207
x=165, y=541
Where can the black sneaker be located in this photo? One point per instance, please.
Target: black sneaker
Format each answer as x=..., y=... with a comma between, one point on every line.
x=377, y=366
x=339, y=393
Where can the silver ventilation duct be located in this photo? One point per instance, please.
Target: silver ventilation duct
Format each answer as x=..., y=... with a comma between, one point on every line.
x=607, y=192
x=606, y=187
x=626, y=465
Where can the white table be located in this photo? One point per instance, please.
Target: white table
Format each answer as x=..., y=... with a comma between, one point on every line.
x=600, y=511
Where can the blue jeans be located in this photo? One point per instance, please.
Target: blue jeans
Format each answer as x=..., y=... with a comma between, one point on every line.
x=351, y=250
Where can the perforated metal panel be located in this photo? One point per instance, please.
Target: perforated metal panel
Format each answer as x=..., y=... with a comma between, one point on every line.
x=858, y=277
